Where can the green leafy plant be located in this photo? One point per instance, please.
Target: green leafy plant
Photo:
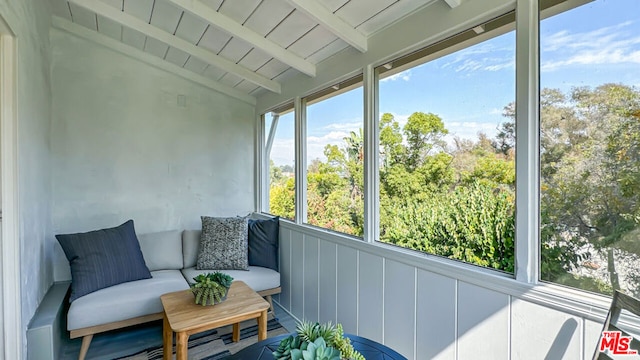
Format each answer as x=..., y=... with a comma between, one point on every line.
x=222, y=279
x=287, y=345
x=343, y=344
x=317, y=350
x=311, y=331
x=211, y=288
x=317, y=341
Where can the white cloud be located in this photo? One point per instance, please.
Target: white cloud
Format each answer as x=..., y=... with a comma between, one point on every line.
x=469, y=130
x=485, y=64
x=336, y=135
x=495, y=111
x=328, y=137
x=403, y=75
x=500, y=66
x=316, y=144
x=473, y=125
x=400, y=118
x=607, y=45
x=347, y=126
x=482, y=57
x=283, y=151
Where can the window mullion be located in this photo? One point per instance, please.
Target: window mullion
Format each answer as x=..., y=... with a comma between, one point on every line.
x=262, y=167
x=527, y=141
x=301, y=160
x=371, y=156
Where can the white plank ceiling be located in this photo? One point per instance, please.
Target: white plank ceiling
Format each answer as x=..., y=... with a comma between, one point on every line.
x=254, y=45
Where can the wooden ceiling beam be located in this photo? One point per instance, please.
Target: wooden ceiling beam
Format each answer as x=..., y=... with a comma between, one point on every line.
x=330, y=21
x=453, y=3
x=230, y=26
x=207, y=56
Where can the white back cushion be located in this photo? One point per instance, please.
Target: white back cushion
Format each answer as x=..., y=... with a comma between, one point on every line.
x=190, y=246
x=162, y=250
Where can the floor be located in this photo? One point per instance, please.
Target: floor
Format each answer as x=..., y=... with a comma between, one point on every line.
x=119, y=343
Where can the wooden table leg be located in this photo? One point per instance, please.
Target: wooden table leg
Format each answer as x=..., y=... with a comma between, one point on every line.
x=262, y=326
x=182, y=339
x=167, y=339
x=236, y=332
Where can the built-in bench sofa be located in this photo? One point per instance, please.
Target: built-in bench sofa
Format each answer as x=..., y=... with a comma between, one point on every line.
x=171, y=258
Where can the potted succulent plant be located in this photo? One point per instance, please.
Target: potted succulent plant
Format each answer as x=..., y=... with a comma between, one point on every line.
x=314, y=341
x=211, y=288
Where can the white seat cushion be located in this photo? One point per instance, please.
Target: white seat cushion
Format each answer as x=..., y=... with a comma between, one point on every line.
x=124, y=301
x=258, y=278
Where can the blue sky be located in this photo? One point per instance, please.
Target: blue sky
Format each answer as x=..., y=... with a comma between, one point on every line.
x=587, y=46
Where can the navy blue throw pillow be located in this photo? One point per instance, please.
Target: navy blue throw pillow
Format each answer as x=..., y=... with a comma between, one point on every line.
x=103, y=258
x=263, y=242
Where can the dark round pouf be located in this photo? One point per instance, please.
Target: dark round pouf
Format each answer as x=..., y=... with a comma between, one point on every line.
x=371, y=350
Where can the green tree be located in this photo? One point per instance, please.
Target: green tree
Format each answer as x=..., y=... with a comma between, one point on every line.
x=604, y=178
x=429, y=203
x=392, y=150
x=472, y=223
x=589, y=178
x=275, y=173
x=458, y=201
x=335, y=196
x=424, y=134
x=281, y=199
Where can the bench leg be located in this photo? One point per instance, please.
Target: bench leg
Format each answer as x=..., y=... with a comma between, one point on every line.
x=271, y=308
x=86, y=341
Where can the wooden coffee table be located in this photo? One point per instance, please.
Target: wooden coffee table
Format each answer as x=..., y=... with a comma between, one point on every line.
x=185, y=318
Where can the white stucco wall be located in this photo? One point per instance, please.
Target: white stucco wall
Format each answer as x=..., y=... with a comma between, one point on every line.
x=124, y=149
x=30, y=20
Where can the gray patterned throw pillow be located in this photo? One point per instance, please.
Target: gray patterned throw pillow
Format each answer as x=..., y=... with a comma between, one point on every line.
x=223, y=244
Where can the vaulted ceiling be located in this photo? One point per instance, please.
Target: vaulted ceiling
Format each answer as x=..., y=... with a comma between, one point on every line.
x=243, y=47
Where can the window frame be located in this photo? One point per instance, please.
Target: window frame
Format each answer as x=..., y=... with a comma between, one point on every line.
x=525, y=283
x=369, y=77
x=497, y=26
x=338, y=88
x=263, y=142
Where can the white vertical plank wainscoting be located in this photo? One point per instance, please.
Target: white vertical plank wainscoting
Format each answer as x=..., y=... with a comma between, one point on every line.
x=425, y=307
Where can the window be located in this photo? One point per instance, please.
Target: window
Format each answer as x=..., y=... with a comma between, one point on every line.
x=447, y=149
x=590, y=147
x=280, y=150
x=447, y=169
x=335, y=196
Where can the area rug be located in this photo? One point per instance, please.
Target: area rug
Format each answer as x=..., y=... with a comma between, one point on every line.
x=216, y=344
